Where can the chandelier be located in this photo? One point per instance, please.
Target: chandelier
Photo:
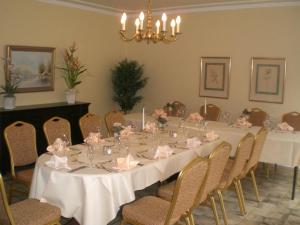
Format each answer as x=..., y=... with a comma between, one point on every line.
x=147, y=34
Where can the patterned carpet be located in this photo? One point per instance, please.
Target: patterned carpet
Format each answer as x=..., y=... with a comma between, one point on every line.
x=276, y=207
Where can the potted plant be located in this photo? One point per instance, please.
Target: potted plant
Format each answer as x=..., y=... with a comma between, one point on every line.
x=9, y=90
x=73, y=72
x=127, y=80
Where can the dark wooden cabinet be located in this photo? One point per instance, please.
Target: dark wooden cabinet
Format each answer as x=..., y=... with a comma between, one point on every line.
x=37, y=115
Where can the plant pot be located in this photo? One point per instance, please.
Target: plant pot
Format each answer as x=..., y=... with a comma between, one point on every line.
x=71, y=96
x=9, y=102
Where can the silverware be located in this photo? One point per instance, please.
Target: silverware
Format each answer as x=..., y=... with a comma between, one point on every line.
x=76, y=169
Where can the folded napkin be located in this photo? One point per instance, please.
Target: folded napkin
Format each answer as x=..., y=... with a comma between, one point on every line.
x=126, y=132
x=193, y=142
x=163, y=152
x=58, y=146
x=150, y=127
x=194, y=117
x=94, y=138
x=126, y=163
x=242, y=123
x=285, y=127
x=211, y=136
x=57, y=162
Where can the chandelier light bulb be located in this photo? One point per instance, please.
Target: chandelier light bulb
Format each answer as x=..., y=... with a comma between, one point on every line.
x=173, y=24
x=123, y=21
x=157, y=26
x=142, y=17
x=178, y=22
x=164, y=19
x=137, y=24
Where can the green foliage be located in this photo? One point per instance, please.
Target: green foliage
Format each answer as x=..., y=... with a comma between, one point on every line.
x=10, y=88
x=127, y=81
x=73, y=69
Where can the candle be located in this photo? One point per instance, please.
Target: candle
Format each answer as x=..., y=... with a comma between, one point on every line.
x=205, y=109
x=164, y=19
x=178, y=21
x=143, y=119
x=137, y=24
x=157, y=26
x=123, y=21
x=142, y=17
x=173, y=23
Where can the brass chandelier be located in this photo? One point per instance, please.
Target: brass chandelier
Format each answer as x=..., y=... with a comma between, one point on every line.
x=160, y=34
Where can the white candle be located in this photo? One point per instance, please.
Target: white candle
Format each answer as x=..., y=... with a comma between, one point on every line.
x=157, y=26
x=173, y=24
x=178, y=21
x=143, y=119
x=164, y=19
x=205, y=109
x=137, y=24
x=123, y=21
x=142, y=17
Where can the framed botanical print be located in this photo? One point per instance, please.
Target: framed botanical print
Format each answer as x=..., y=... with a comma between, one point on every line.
x=267, y=79
x=215, y=77
x=32, y=67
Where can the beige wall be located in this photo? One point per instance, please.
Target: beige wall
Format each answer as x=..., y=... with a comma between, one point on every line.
x=28, y=22
x=241, y=34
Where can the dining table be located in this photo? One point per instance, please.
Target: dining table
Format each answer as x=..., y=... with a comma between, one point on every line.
x=92, y=190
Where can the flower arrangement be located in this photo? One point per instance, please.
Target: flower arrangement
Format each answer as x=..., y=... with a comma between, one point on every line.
x=160, y=115
x=195, y=117
x=246, y=112
x=73, y=69
x=94, y=138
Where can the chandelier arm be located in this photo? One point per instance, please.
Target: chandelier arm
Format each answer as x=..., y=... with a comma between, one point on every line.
x=124, y=38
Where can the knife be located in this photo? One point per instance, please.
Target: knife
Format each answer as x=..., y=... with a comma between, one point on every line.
x=76, y=169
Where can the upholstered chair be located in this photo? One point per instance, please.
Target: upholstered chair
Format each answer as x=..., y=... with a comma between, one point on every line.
x=217, y=162
x=57, y=127
x=253, y=161
x=152, y=210
x=20, y=138
x=27, y=212
x=89, y=123
x=213, y=112
x=112, y=117
x=293, y=119
x=178, y=109
x=233, y=170
x=257, y=117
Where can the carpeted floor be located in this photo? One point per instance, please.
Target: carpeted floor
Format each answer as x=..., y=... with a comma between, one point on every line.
x=276, y=208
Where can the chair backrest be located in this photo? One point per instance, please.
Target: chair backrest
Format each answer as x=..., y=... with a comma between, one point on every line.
x=89, y=123
x=20, y=138
x=212, y=112
x=178, y=109
x=256, y=150
x=241, y=157
x=217, y=161
x=293, y=119
x=111, y=118
x=188, y=185
x=5, y=214
x=56, y=127
x=257, y=117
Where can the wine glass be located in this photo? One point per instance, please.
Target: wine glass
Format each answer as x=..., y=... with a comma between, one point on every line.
x=90, y=155
x=66, y=141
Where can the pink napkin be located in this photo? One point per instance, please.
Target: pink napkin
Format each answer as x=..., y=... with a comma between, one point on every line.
x=58, y=146
x=94, y=138
x=194, y=117
x=242, y=123
x=193, y=142
x=126, y=163
x=163, y=152
x=57, y=162
x=285, y=127
x=211, y=136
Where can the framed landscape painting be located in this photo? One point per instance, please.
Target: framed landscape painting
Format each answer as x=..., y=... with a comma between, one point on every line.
x=32, y=67
x=267, y=79
x=215, y=77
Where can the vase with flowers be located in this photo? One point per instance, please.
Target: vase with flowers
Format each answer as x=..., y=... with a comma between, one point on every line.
x=161, y=117
x=73, y=71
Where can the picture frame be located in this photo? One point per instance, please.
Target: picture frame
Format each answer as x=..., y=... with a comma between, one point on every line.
x=215, y=77
x=267, y=80
x=32, y=67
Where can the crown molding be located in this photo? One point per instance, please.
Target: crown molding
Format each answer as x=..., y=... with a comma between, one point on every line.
x=221, y=6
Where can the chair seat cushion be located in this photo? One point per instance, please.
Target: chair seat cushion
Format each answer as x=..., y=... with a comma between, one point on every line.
x=224, y=180
x=166, y=191
x=25, y=176
x=148, y=210
x=33, y=212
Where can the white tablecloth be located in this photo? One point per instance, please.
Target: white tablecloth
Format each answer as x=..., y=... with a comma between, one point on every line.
x=94, y=196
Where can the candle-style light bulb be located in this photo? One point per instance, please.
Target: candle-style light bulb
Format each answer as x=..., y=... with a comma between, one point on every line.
x=123, y=21
x=178, y=22
x=164, y=19
x=157, y=26
x=173, y=24
x=142, y=17
x=137, y=24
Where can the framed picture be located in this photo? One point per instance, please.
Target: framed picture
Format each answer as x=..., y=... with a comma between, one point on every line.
x=215, y=77
x=267, y=80
x=32, y=67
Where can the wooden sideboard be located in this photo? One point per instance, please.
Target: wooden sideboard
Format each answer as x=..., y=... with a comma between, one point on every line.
x=37, y=115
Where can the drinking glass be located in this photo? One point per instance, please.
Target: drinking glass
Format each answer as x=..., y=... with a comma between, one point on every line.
x=91, y=155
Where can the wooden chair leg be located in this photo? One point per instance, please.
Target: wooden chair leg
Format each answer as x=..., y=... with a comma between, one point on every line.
x=222, y=207
x=214, y=208
x=255, y=186
x=237, y=191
